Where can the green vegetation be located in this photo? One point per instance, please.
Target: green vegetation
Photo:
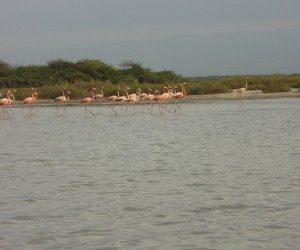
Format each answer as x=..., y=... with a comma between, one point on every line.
x=268, y=83
x=81, y=76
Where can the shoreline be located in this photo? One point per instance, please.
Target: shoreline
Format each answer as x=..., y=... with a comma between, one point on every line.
x=247, y=95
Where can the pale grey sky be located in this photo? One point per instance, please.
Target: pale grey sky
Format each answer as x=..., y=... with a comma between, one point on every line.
x=190, y=37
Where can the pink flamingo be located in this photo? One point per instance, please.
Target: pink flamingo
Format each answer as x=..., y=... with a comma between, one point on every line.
x=112, y=99
x=89, y=100
x=30, y=100
x=99, y=96
x=134, y=95
x=143, y=97
x=122, y=99
x=7, y=101
x=161, y=98
x=150, y=97
x=63, y=98
x=132, y=98
x=179, y=95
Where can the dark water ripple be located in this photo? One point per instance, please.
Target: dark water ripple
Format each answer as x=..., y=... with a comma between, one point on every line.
x=217, y=175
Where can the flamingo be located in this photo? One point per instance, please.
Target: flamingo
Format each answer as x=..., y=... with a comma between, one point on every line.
x=113, y=98
x=7, y=101
x=30, y=100
x=63, y=98
x=179, y=95
x=242, y=90
x=132, y=98
x=89, y=100
x=160, y=98
x=143, y=97
x=99, y=96
x=150, y=97
x=122, y=99
x=134, y=95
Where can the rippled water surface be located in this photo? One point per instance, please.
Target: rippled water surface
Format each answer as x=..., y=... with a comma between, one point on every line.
x=215, y=175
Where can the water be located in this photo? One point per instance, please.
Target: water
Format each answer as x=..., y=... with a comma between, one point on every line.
x=216, y=175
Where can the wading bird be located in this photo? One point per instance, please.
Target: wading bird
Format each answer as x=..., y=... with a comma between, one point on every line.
x=62, y=99
x=143, y=97
x=30, y=100
x=150, y=97
x=121, y=99
x=4, y=102
x=89, y=100
x=161, y=98
x=179, y=95
x=8, y=100
x=112, y=99
x=132, y=98
x=100, y=95
x=242, y=90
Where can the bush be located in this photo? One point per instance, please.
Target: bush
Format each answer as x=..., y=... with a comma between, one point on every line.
x=276, y=87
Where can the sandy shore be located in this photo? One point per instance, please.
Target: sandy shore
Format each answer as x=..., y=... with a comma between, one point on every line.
x=250, y=94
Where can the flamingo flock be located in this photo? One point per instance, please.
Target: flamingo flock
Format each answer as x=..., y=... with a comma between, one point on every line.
x=123, y=97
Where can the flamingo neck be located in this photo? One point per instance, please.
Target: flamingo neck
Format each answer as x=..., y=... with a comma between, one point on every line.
x=183, y=89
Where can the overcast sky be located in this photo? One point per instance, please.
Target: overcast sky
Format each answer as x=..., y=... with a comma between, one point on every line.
x=190, y=37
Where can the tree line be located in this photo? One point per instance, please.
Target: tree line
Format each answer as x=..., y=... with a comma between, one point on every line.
x=86, y=70
x=79, y=77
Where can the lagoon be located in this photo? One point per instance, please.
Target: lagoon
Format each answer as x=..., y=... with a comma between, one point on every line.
x=213, y=175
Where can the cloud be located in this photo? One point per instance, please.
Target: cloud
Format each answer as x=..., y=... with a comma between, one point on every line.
x=139, y=33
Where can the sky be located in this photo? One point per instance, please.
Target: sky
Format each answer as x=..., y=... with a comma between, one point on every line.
x=189, y=37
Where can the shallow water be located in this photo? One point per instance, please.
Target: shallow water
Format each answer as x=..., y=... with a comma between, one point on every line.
x=213, y=175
